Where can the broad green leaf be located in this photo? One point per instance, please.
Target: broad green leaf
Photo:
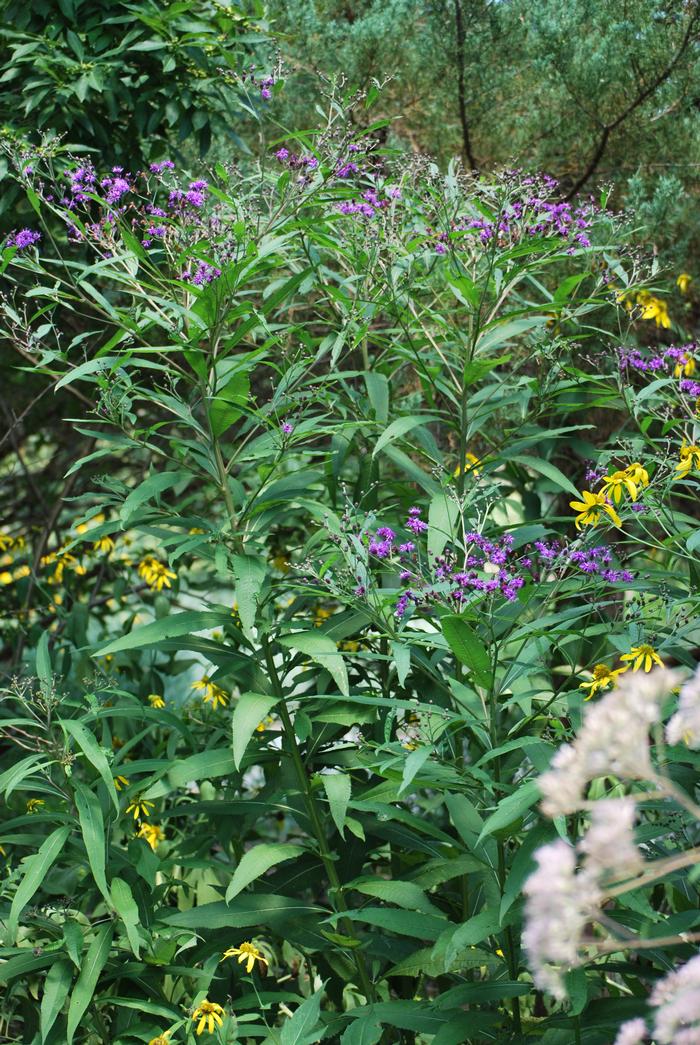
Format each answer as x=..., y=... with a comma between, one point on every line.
x=403, y=894
x=43, y=663
x=249, y=572
x=205, y=765
x=35, y=868
x=501, y=331
x=304, y=1027
x=468, y=649
x=323, y=650
x=93, y=964
x=125, y=906
x=93, y=831
x=226, y=407
x=256, y=862
x=248, y=910
x=511, y=808
x=56, y=987
x=145, y=491
x=399, y=428
x=94, y=754
x=473, y=931
x=401, y=652
x=169, y=627
x=549, y=470
x=442, y=520
x=366, y=1030
x=413, y=764
x=378, y=392
x=406, y=923
x=250, y=710
x=26, y=767
x=338, y=787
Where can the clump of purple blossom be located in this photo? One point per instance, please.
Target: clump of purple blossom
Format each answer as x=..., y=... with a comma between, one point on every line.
x=678, y=361
x=204, y=273
x=23, y=239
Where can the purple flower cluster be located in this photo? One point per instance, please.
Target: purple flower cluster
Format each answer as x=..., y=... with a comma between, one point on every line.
x=117, y=186
x=195, y=195
x=203, y=274
x=23, y=239
x=680, y=361
x=369, y=204
x=164, y=165
x=295, y=162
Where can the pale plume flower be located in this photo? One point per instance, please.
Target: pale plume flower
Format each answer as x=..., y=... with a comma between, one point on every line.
x=613, y=741
x=559, y=904
x=677, y=1002
x=633, y=1032
x=684, y=726
x=608, y=845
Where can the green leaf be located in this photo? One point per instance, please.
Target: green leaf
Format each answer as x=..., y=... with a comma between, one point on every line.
x=43, y=663
x=227, y=405
x=338, y=788
x=93, y=964
x=257, y=861
x=94, y=754
x=442, y=520
x=250, y=710
x=366, y=1030
x=35, y=868
x=511, y=808
x=249, y=572
x=413, y=764
x=14, y=776
x=473, y=931
x=93, y=831
x=205, y=765
x=403, y=894
x=468, y=648
x=250, y=909
x=56, y=986
x=145, y=491
x=401, y=652
x=174, y=625
x=398, y=428
x=126, y=908
x=323, y=650
x=549, y=470
x=304, y=1027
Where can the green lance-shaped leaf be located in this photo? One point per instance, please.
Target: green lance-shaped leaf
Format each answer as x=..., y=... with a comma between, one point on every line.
x=93, y=964
x=126, y=908
x=43, y=663
x=467, y=648
x=511, y=808
x=366, y=1030
x=442, y=521
x=167, y=628
x=256, y=862
x=35, y=869
x=249, y=572
x=338, y=787
x=148, y=489
x=549, y=471
x=248, y=713
x=56, y=987
x=399, y=428
x=94, y=754
x=93, y=830
x=304, y=1027
x=226, y=407
x=323, y=650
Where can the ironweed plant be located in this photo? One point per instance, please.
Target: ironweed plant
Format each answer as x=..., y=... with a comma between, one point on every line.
x=378, y=478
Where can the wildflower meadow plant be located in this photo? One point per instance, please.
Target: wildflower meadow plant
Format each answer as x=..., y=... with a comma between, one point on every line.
x=373, y=536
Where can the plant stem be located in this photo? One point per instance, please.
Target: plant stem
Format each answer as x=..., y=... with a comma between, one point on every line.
x=336, y=887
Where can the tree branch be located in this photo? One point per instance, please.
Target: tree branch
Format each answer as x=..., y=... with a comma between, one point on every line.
x=461, y=88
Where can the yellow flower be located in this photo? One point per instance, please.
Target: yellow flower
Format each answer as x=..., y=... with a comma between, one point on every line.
x=654, y=308
x=637, y=473
x=3, y=851
x=152, y=834
x=683, y=282
x=262, y=726
x=321, y=614
x=279, y=561
x=104, y=544
x=155, y=700
x=156, y=574
x=139, y=807
x=689, y=457
x=210, y=1016
x=5, y=577
x=614, y=484
x=471, y=463
x=685, y=366
x=34, y=805
x=590, y=507
x=5, y=542
x=20, y=572
x=247, y=953
x=120, y=782
x=212, y=694
x=603, y=676
x=642, y=656
x=162, y=1039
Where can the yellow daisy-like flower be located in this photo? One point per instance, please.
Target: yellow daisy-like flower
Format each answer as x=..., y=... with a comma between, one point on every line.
x=155, y=700
x=642, y=656
x=210, y=1016
x=139, y=807
x=685, y=366
x=155, y=573
x=152, y=834
x=603, y=676
x=105, y=545
x=613, y=486
x=590, y=508
x=248, y=954
x=211, y=693
x=5, y=542
x=20, y=572
x=5, y=577
x=120, y=782
x=471, y=464
x=321, y=614
x=35, y=804
x=683, y=282
x=262, y=726
x=689, y=458
x=637, y=473
x=162, y=1039
x=654, y=308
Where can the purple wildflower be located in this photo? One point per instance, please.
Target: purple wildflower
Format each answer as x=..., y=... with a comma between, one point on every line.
x=23, y=239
